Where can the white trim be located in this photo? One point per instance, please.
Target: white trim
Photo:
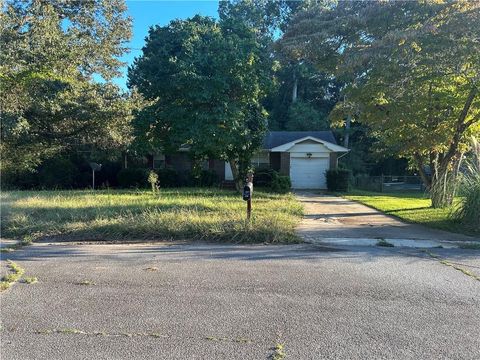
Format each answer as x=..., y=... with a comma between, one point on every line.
x=332, y=147
x=312, y=155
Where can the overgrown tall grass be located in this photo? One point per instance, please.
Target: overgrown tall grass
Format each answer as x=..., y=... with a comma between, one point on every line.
x=184, y=214
x=468, y=211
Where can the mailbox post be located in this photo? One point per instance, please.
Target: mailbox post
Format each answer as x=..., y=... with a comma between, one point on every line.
x=247, y=194
x=95, y=167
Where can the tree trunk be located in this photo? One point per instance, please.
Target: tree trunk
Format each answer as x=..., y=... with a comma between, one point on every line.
x=421, y=171
x=295, y=87
x=237, y=178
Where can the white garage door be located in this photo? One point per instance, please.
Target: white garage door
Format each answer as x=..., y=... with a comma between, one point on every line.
x=308, y=173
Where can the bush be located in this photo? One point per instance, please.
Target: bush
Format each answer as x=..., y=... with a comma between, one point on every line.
x=264, y=177
x=280, y=184
x=338, y=179
x=208, y=178
x=108, y=175
x=64, y=171
x=128, y=178
x=168, y=178
x=57, y=173
x=203, y=178
x=18, y=180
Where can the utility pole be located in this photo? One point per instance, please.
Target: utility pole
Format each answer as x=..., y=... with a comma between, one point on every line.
x=346, y=138
x=348, y=121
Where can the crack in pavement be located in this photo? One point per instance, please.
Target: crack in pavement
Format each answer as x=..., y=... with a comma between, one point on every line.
x=453, y=265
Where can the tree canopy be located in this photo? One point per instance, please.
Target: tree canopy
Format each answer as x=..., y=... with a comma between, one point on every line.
x=50, y=51
x=205, y=81
x=412, y=69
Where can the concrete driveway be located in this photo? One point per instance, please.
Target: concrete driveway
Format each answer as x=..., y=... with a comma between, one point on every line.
x=332, y=219
x=238, y=302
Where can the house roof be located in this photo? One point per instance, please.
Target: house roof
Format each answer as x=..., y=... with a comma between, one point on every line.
x=274, y=139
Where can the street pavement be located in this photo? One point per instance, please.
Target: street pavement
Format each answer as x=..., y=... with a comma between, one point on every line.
x=204, y=301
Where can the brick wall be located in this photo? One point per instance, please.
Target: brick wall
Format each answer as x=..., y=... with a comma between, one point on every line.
x=284, y=163
x=333, y=160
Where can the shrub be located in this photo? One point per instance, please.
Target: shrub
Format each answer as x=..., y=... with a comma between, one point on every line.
x=11, y=180
x=338, y=179
x=264, y=177
x=108, y=175
x=128, y=178
x=57, y=173
x=208, y=178
x=202, y=178
x=280, y=184
x=168, y=178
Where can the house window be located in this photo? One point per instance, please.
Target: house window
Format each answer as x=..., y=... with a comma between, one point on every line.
x=261, y=160
x=159, y=161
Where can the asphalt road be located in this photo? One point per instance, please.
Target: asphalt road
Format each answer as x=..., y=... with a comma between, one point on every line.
x=238, y=302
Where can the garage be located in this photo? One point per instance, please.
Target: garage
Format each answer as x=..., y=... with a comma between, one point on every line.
x=304, y=156
x=308, y=173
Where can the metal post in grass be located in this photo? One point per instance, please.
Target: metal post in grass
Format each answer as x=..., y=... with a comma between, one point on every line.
x=95, y=167
x=247, y=193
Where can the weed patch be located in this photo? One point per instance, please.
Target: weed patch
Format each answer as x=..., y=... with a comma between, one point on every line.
x=16, y=272
x=384, y=243
x=30, y=280
x=85, y=283
x=278, y=352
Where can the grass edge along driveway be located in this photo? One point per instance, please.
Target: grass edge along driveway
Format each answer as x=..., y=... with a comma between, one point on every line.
x=412, y=207
x=174, y=214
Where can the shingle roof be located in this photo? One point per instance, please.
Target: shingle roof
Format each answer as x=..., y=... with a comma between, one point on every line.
x=277, y=138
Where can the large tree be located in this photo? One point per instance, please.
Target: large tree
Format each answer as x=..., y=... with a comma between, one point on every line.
x=50, y=53
x=413, y=69
x=293, y=80
x=204, y=82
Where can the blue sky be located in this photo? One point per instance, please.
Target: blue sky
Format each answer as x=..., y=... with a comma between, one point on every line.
x=146, y=13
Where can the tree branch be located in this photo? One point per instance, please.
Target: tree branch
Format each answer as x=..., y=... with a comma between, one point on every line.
x=460, y=128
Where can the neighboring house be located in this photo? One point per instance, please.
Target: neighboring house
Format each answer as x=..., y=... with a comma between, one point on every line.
x=305, y=156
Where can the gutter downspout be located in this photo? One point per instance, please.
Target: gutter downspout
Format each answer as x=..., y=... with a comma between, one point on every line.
x=341, y=157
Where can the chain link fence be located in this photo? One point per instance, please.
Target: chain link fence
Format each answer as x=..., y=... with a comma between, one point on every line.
x=389, y=183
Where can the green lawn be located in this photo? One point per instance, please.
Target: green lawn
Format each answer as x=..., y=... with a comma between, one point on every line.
x=411, y=207
x=185, y=214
